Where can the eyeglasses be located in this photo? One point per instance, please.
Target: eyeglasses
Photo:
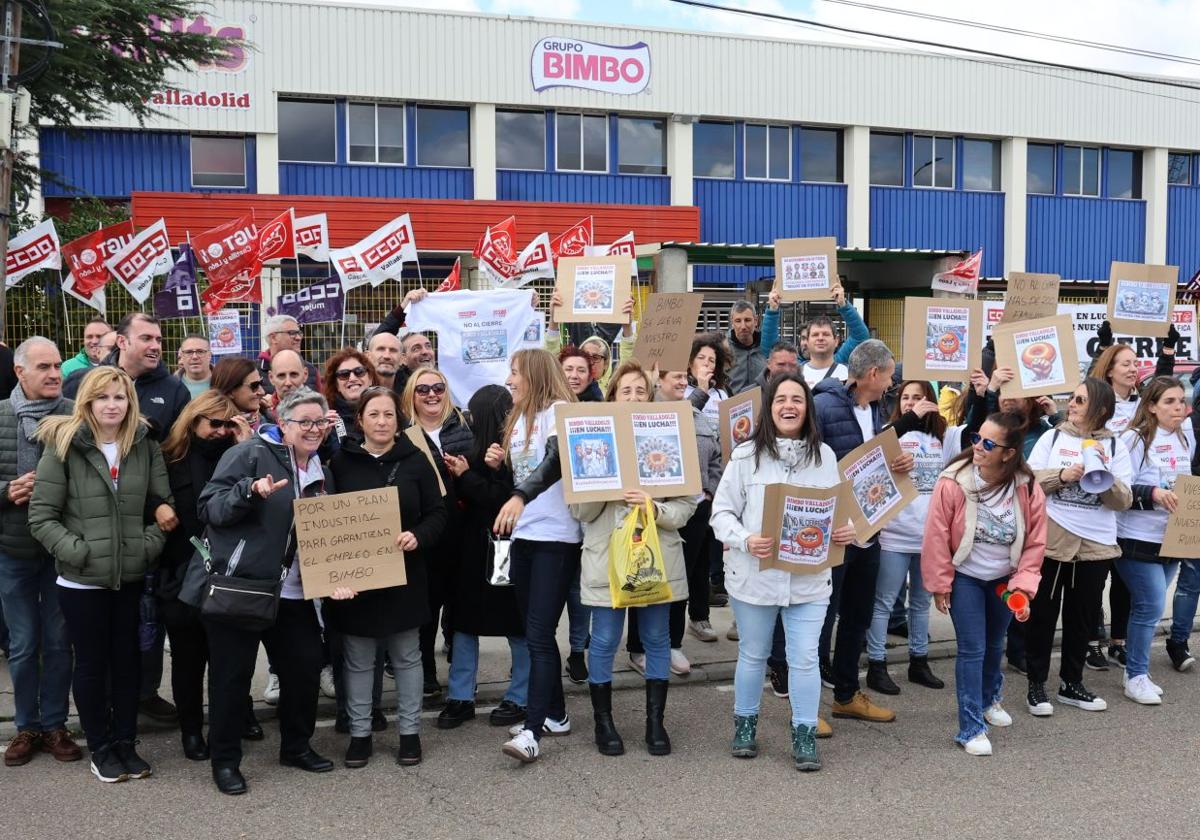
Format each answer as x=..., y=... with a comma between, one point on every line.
x=595, y=358
x=988, y=443
x=358, y=373
x=256, y=385
x=1077, y=400
x=438, y=388
x=289, y=333
x=308, y=425
x=221, y=424
x=198, y=352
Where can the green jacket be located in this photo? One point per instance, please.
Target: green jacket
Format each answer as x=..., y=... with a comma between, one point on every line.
x=98, y=535
x=79, y=361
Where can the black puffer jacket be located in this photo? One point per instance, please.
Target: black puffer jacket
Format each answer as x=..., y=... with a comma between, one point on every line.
x=455, y=437
x=480, y=609
x=188, y=478
x=376, y=613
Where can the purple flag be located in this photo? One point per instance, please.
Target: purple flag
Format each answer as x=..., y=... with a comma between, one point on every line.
x=183, y=272
x=180, y=302
x=316, y=303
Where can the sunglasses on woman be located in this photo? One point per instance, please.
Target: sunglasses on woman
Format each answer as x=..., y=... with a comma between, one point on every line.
x=988, y=443
x=1076, y=399
x=357, y=373
x=437, y=388
x=221, y=424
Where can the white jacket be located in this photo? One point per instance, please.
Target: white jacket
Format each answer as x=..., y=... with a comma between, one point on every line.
x=737, y=514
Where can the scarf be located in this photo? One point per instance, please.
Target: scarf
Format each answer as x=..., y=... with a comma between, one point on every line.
x=791, y=451
x=29, y=414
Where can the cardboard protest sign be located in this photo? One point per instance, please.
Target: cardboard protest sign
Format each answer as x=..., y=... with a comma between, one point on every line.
x=349, y=539
x=608, y=448
x=1030, y=296
x=802, y=521
x=806, y=269
x=593, y=290
x=417, y=435
x=942, y=338
x=1043, y=354
x=876, y=494
x=738, y=419
x=1140, y=297
x=1182, y=538
x=664, y=336
x=225, y=332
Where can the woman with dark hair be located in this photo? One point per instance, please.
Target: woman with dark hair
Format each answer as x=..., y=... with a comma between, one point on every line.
x=985, y=535
x=241, y=381
x=577, y=368
x=1160, y=446
x=1081, y=539
x=786, y=448
x=708, y=374
x=347, y=374
x=483, y=482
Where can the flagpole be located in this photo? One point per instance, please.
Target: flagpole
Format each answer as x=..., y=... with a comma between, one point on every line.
x=66, y=313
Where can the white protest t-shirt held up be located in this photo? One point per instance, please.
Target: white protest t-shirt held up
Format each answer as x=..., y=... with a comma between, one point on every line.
x=546, y=518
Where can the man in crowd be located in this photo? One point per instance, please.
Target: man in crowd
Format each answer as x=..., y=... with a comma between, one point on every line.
x=40, y=656
x=387, y=353
x=849, y=414
x=284, y=333
x=195, y=364
x=418, y=353
x=783, y=358
x=824, y=357
x=750, y=347
x=92, y=351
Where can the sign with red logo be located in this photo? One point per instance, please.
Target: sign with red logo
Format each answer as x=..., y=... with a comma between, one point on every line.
x=144, y=257
x=312, y=236
x=379, y=256
x=574, y=241
x=30, y=250
x=348, y=268
x=85, y=256
x=228, y=250
x=566, y=62
x=277, y=238
x=242, y=287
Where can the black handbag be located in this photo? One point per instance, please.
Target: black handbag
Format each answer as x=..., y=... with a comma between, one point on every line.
x=242, y=603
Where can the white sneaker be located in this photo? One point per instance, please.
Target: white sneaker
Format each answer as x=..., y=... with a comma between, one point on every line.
x=523, y=746
x=979, y=745
x=271, y=692
x=327, y=686
x=1157, y=688
x=732, y=633
x=996, y=716
x=1141, y=690
x=549, y=727
x=702, y=630
x=637, y=661
x=679, y=663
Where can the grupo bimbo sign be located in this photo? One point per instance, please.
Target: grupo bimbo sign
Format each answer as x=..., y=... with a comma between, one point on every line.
x=566, y=62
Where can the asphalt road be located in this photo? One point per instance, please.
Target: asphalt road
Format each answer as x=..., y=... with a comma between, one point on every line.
x=1127, y=772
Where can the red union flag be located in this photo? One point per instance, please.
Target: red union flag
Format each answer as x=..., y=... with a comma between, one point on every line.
x=312, y=236
x=453, y=281
x=143, y=258
x=85, y=256
x=30, y=250
x=625, y=246
x=574, y=241
x=243, y=287
x=228, y=250
x=962, y=278
x=383, y=253
x=277, y=238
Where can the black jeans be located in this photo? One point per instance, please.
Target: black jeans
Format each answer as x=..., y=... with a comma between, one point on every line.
x=541, y=573
x=852, y=604
x=437, y=584
x=1076, y=588
x=1118, y=608
x=294, y=645
x=189, y=658
x=103, y=628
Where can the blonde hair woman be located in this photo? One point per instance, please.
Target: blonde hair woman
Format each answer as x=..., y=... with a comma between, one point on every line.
x=98, y=471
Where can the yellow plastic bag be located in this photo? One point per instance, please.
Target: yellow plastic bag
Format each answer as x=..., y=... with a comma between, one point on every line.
x=637, y=575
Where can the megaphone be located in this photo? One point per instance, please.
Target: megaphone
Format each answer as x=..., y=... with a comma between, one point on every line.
x=1096, y=478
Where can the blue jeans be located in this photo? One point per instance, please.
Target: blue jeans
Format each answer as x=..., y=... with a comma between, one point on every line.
x=756, y=627
x=654, y=628
x=1147, y=584
x=465, y=665
x=39, y=659
x=1187, y=594
x=579, y=619
x=541, y=574
x=894, y=568
x=980, y=625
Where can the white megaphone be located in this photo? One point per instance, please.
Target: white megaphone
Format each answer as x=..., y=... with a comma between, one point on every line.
x=1096, y=478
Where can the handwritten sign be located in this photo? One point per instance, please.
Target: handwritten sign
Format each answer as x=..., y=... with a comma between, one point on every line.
x=665, y=334
x=1182, y=538
x=349, y=539
x=1030, y=296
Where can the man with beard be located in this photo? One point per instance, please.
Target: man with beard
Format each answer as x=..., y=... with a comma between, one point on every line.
x=417, y=353
x=386, y=352
x=195, y=364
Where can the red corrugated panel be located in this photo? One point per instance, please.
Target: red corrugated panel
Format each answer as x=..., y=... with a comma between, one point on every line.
x=440, y=225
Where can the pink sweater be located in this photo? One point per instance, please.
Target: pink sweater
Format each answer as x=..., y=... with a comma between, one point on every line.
x=949, y=512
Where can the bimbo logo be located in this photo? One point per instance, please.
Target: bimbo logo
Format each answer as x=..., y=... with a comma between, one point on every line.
x=236, y=56
x=565, y=62
x=33, y=253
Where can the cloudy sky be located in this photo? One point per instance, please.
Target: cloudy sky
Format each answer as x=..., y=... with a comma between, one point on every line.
x=1163, y=26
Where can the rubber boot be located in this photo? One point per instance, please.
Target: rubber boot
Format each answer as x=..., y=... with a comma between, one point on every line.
x=608, y=740
x=657, y=740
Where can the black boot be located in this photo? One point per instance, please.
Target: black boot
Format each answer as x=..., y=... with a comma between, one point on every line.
x=657, y=740
x=608, y=739
x=919, y=673
x=878, y=678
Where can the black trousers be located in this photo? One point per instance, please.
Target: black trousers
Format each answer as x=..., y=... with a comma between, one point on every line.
x=853, y=604
x=294, y=645
x=189, y=658
x=697, y=539
x=437, y=585
x=1076, y=589
x=102, y=625
x=1118, y=609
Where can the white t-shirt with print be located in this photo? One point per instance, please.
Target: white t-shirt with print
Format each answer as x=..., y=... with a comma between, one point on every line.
x=995, y=532
x=930, y=456
x=712, y=408
x=1123, y=413
x=1071, y=506
x=546, y=518
x=1169, y=456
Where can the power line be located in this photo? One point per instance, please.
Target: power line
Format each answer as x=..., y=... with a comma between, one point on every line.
x=937, y=45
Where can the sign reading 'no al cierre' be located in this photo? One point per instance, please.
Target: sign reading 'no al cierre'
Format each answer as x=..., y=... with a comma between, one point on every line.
x=349, y=540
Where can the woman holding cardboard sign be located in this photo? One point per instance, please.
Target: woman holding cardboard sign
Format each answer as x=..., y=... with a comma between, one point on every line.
x=786, y=449
x=600, y=520
x=392, y=616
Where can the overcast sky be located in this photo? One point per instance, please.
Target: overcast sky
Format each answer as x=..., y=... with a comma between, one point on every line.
x=1165, y=26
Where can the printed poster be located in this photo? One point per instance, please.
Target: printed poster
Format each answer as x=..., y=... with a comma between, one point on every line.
x=659, y=449
x=802, y=521
x=805, y=273
x=877, y=494
x=947, y=336
x=736, y=419
x=593, y=290
x=1043, y=354
x=225, y=333
x=942, y=338
x=806, y=269
x=1141, y=297
x=592, y=447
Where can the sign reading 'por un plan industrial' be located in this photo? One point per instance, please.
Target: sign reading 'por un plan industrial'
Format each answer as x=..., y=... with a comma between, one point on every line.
x=566, y=62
